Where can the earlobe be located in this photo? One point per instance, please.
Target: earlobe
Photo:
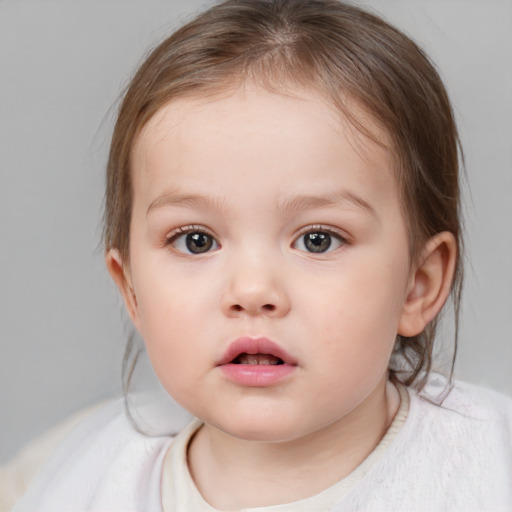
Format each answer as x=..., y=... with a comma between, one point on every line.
x=430, y=284
x=119, y=272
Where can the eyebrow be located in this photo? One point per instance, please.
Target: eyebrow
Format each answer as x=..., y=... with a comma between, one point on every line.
x=198, y=201
x=311, y=202
x=292, y=204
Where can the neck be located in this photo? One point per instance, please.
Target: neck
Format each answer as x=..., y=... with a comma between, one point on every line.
x=233, y=473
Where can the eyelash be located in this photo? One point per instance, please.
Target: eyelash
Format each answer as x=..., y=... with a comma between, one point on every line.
x=184, y=230
x=181, y=234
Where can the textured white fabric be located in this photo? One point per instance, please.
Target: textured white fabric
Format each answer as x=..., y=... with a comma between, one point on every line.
x=457, y=457
x=18, y=473
x=103, y=465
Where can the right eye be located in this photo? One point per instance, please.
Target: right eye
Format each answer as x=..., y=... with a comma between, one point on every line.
x=193, y=241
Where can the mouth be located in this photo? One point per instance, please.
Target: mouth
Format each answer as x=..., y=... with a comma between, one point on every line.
x=257, y=362
x=256, y=352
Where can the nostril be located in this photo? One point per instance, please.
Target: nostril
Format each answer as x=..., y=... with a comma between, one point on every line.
x=265, y=307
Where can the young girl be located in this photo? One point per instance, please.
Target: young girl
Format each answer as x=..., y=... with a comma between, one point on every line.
x=282, y=221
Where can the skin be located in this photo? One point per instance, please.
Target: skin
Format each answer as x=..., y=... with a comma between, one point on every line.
x=239, y=167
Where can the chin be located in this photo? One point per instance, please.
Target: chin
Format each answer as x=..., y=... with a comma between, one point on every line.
x=258, y=428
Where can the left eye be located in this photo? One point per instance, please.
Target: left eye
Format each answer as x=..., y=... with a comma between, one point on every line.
x=318, y=241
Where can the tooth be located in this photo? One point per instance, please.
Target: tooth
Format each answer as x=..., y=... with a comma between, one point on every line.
x=257, y=359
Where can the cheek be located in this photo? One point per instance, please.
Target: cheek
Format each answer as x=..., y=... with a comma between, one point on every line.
x=171, y=344
x=165, y=318
x=358, y=313
x=164, y=294
x=176, y=320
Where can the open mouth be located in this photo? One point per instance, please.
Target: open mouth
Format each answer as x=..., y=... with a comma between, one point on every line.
x=256, y=362
x=255, y=352
x=256, y=359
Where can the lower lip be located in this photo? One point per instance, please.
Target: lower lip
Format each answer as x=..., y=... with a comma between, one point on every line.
x=257, y=375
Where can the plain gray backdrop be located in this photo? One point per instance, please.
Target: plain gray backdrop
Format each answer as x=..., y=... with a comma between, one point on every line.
x=62, y=67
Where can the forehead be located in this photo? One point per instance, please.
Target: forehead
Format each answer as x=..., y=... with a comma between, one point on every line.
x=266, y=134
x=312, y=102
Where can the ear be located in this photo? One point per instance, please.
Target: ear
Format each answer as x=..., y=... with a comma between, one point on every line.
x=430, y=284
x=119, y=271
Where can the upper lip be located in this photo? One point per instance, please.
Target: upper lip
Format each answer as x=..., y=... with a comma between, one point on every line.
x=257, y=345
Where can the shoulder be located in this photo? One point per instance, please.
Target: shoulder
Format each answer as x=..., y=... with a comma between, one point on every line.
x=466, y=416
x=465, y=403
x=481, y=399
x=104, y=463
x=17, y=474
x=462, y=446
x=456, y=455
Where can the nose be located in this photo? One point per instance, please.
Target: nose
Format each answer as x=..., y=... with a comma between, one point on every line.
x=255, y=289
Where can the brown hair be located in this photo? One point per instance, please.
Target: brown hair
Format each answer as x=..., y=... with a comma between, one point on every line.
x=332, y=48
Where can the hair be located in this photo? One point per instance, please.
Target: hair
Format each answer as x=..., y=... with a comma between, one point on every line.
x=350, y=57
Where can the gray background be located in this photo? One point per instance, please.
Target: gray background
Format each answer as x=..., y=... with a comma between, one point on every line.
x=62, y=66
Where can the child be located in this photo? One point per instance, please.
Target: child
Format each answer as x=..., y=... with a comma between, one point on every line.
x=282, y=220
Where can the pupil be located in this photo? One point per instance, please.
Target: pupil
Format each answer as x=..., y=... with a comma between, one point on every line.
x=198, y=242
x=317, y=242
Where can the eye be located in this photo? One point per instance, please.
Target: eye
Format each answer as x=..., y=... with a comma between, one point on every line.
x=319, y=241
x=192, y=241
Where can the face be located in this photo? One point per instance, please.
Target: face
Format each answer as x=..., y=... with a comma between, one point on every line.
x=268, y=264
